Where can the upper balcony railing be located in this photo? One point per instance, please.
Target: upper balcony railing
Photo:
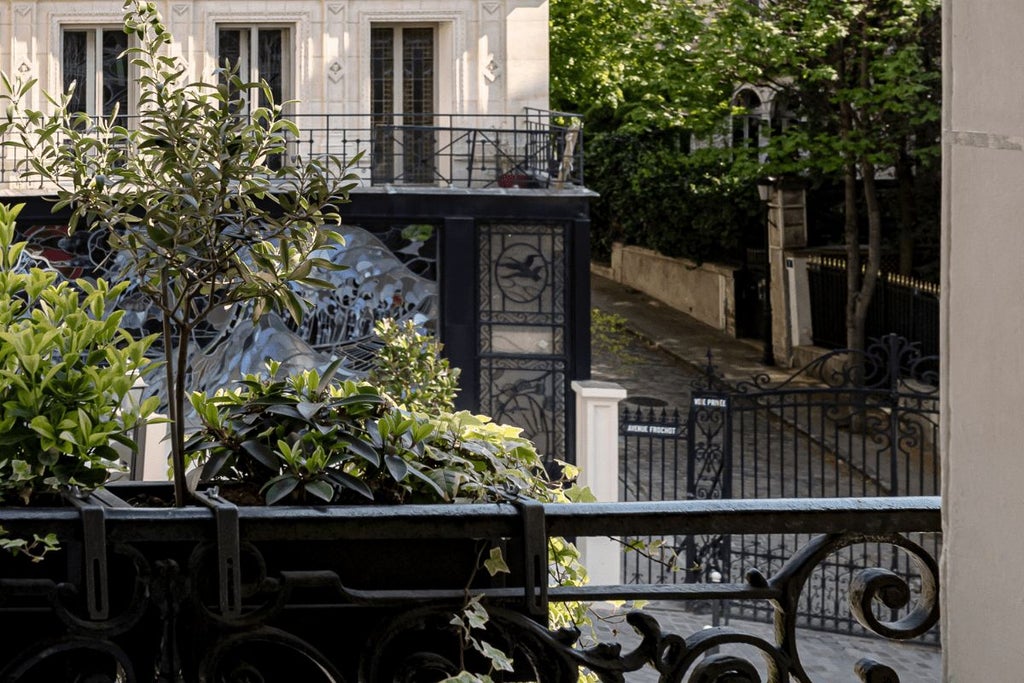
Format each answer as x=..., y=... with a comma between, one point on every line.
x=536, y=149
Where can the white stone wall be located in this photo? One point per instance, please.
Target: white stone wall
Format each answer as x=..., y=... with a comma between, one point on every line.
x=983, y=340
x=703, y=291
x=492, y=55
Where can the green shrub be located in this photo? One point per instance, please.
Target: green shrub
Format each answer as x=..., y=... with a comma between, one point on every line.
x=410, y=368
x=307, y=438
x=66, y=368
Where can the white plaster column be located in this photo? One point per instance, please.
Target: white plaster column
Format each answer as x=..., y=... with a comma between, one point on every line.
x=787, y=228
x=597, y=456
x=800, y=325
x=982, y=339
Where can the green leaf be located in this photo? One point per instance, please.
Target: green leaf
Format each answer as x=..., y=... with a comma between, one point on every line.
x=396, y=466
x=348, y=481
x=321, y=489
x=364, y=450
x=495, y=563
x=413, y=472
x=261, y=453
x=308, y=410
x=279, y=488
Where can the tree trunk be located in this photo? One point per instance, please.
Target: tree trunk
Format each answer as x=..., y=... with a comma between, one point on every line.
x=854, y=331
x=908, y=210
x=874, y=265
x=851, y=237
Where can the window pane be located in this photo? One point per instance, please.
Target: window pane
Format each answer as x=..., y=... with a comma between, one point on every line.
x=418, y=72
x=115, y=72
x=75, y=64
x=271, y=49
x=382, y=68
x=229, y=47
x=418, y=104
x=382, y=103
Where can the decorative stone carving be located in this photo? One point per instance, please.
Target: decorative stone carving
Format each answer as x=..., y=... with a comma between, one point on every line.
x=492, y=70
x=335, y=71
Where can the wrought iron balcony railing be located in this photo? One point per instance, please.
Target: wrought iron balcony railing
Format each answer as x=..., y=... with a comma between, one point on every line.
x=369, y=593
x=534, y=149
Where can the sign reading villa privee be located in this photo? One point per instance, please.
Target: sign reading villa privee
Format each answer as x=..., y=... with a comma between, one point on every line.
x=708, y=402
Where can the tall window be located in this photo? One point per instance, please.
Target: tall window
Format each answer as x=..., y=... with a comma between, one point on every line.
x=259, y=53
x=402, y=74
x=93, y=59
x=746, y=128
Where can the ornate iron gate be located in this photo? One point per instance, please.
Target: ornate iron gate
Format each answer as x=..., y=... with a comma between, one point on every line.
x=653, y=439
x=848, y=424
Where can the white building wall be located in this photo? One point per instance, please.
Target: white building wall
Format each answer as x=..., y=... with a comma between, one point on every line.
x=492, y=54
x=983, y=340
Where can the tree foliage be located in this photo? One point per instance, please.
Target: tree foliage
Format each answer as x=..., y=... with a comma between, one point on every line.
x=655, y=195
x=863, y=94
x=856, y=89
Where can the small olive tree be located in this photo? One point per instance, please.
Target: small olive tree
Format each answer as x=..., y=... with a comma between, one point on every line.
x=203, y=206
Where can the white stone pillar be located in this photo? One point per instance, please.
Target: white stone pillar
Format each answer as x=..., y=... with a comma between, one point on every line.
x=982, y=376
x=787, y=228
x=800, y=325
x=597, y=456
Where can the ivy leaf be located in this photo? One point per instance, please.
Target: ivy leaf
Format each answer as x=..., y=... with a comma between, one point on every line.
x=495, y=563
x=499, y=660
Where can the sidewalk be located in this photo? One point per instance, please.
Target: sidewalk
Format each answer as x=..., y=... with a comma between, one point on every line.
x=682, y=345
x=676, y=333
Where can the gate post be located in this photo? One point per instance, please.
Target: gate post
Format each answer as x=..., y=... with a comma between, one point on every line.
x=597, y=456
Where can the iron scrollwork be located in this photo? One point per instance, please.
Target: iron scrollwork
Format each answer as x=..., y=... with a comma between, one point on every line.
x=412, y=640
x=423, y=639
x=696, y=658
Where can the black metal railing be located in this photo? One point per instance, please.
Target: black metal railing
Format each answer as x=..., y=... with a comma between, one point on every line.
x=534, y=149
x=369, y=593
x=816, y=434
x=901, y=305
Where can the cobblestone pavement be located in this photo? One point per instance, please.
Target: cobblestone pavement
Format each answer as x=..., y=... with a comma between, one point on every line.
x=827, y=657
x=656, y=363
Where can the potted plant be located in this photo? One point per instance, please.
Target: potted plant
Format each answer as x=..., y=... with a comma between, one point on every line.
x=203, y=217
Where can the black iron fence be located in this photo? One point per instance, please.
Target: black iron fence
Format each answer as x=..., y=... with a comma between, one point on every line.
x=901, y=305
x=819, y=434
x=370, y=593
x=533, y=149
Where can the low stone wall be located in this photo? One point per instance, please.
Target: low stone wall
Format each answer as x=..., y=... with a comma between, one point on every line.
x=703, y=291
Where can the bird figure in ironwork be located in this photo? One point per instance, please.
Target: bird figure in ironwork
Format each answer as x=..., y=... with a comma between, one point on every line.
x=527, y=268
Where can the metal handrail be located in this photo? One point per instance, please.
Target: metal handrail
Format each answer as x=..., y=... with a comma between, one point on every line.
x=533, y=149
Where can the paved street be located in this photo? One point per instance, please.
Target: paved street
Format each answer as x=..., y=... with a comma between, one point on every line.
x=656, y=363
